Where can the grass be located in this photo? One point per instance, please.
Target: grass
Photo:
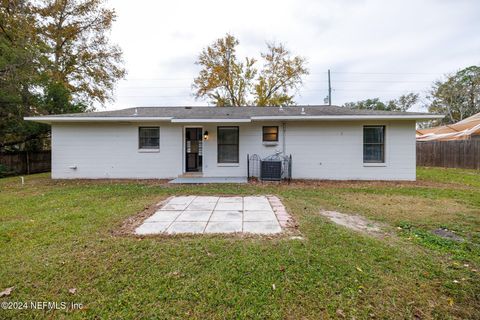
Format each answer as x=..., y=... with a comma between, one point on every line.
x=57, y=235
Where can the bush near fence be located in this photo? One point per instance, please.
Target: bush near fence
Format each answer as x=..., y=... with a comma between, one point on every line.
x=25, y=162
x=449, y=154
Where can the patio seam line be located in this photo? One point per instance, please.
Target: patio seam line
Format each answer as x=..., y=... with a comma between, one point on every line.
x=181, y=211
x=210, y=217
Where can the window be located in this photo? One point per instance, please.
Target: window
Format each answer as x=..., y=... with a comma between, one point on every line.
x=270, y=134
x=374, y=144
x=149, y=138
x=227, y=140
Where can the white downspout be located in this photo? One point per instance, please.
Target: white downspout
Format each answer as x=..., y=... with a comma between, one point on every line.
x=284, y=130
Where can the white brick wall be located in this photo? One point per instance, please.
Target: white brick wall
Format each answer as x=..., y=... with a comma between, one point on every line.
x=111, y=151
x=320, y=150
x=334, y=150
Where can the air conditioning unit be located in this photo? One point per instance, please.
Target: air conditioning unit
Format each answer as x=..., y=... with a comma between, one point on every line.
x=271, y=170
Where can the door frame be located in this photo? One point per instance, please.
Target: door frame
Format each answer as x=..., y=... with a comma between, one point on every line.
x=184, y=149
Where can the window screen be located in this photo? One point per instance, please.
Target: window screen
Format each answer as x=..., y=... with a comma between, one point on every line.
x=270, y=133
x=227, y=140
x=149, y=138
x=374, y=144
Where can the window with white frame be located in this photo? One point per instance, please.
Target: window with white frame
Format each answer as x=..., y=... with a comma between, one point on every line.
x=374, y=144
x=148, y=138
x=227, y=145
x=270, y=133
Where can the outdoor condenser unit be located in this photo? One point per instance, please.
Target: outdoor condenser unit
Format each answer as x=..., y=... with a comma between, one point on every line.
x=271, y=170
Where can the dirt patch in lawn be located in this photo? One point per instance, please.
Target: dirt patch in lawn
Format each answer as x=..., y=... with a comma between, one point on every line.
x=447, y=234
x=355, y=222
x=395, y=209
x=373, y=184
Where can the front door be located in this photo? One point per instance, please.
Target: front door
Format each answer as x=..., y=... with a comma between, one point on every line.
x=193, y=149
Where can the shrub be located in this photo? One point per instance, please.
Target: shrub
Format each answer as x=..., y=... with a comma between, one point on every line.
x=3, y=170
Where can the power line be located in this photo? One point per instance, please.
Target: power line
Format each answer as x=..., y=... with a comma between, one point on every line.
x=310, y=74
x=152, y=96
x=390, y=73
x=376, y=90
x=305, y=83
x=157, y=79
x=383, y=81
x=313, y=90
x=181, y=79
x=152, y=87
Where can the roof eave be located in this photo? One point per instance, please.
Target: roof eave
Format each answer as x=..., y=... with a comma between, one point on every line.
x=50, y=120
x=223, y=120
x=348, y=117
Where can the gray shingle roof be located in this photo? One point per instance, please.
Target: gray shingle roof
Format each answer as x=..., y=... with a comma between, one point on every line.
x=237, y=112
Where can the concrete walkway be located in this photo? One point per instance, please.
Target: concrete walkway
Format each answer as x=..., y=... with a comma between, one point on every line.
x=203, y=214
x=193, y=180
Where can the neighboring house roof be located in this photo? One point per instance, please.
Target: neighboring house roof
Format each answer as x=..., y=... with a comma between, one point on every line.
x=234, y=114
x=461, y=130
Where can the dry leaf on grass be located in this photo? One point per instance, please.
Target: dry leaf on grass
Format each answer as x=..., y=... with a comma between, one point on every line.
x=6, y=292
x=340, y=313
x=175, y=274
x=72, y=290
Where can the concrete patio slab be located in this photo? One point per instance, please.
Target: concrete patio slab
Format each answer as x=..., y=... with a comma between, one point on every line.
x=152, y=228
x=209, y=214
x=194, y=216
x=259, y=215
x=224, y=227
x=186, y=227
x=164, y=215
x=256, y=203
x=181, y=200
x=229, y=206
x=226, y=216
x=261, y=227
x=201, y=206
x=230, y=200
x=206, y=199
x=174, y=207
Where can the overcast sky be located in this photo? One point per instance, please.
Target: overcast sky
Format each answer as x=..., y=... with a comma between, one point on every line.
x=374, y=48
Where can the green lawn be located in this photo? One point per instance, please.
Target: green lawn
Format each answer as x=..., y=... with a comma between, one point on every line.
x=57, y=235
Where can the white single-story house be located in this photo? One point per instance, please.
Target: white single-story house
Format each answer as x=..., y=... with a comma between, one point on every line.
x=325, y=142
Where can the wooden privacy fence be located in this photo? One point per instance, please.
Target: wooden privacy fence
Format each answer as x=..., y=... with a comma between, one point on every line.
x=26, y=162
x=450, y=154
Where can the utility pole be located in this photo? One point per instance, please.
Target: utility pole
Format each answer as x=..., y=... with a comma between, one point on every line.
x=329, y=89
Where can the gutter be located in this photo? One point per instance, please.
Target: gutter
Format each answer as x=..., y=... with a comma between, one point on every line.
x=48, y=119
x=358, y=117
x=210, y=120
